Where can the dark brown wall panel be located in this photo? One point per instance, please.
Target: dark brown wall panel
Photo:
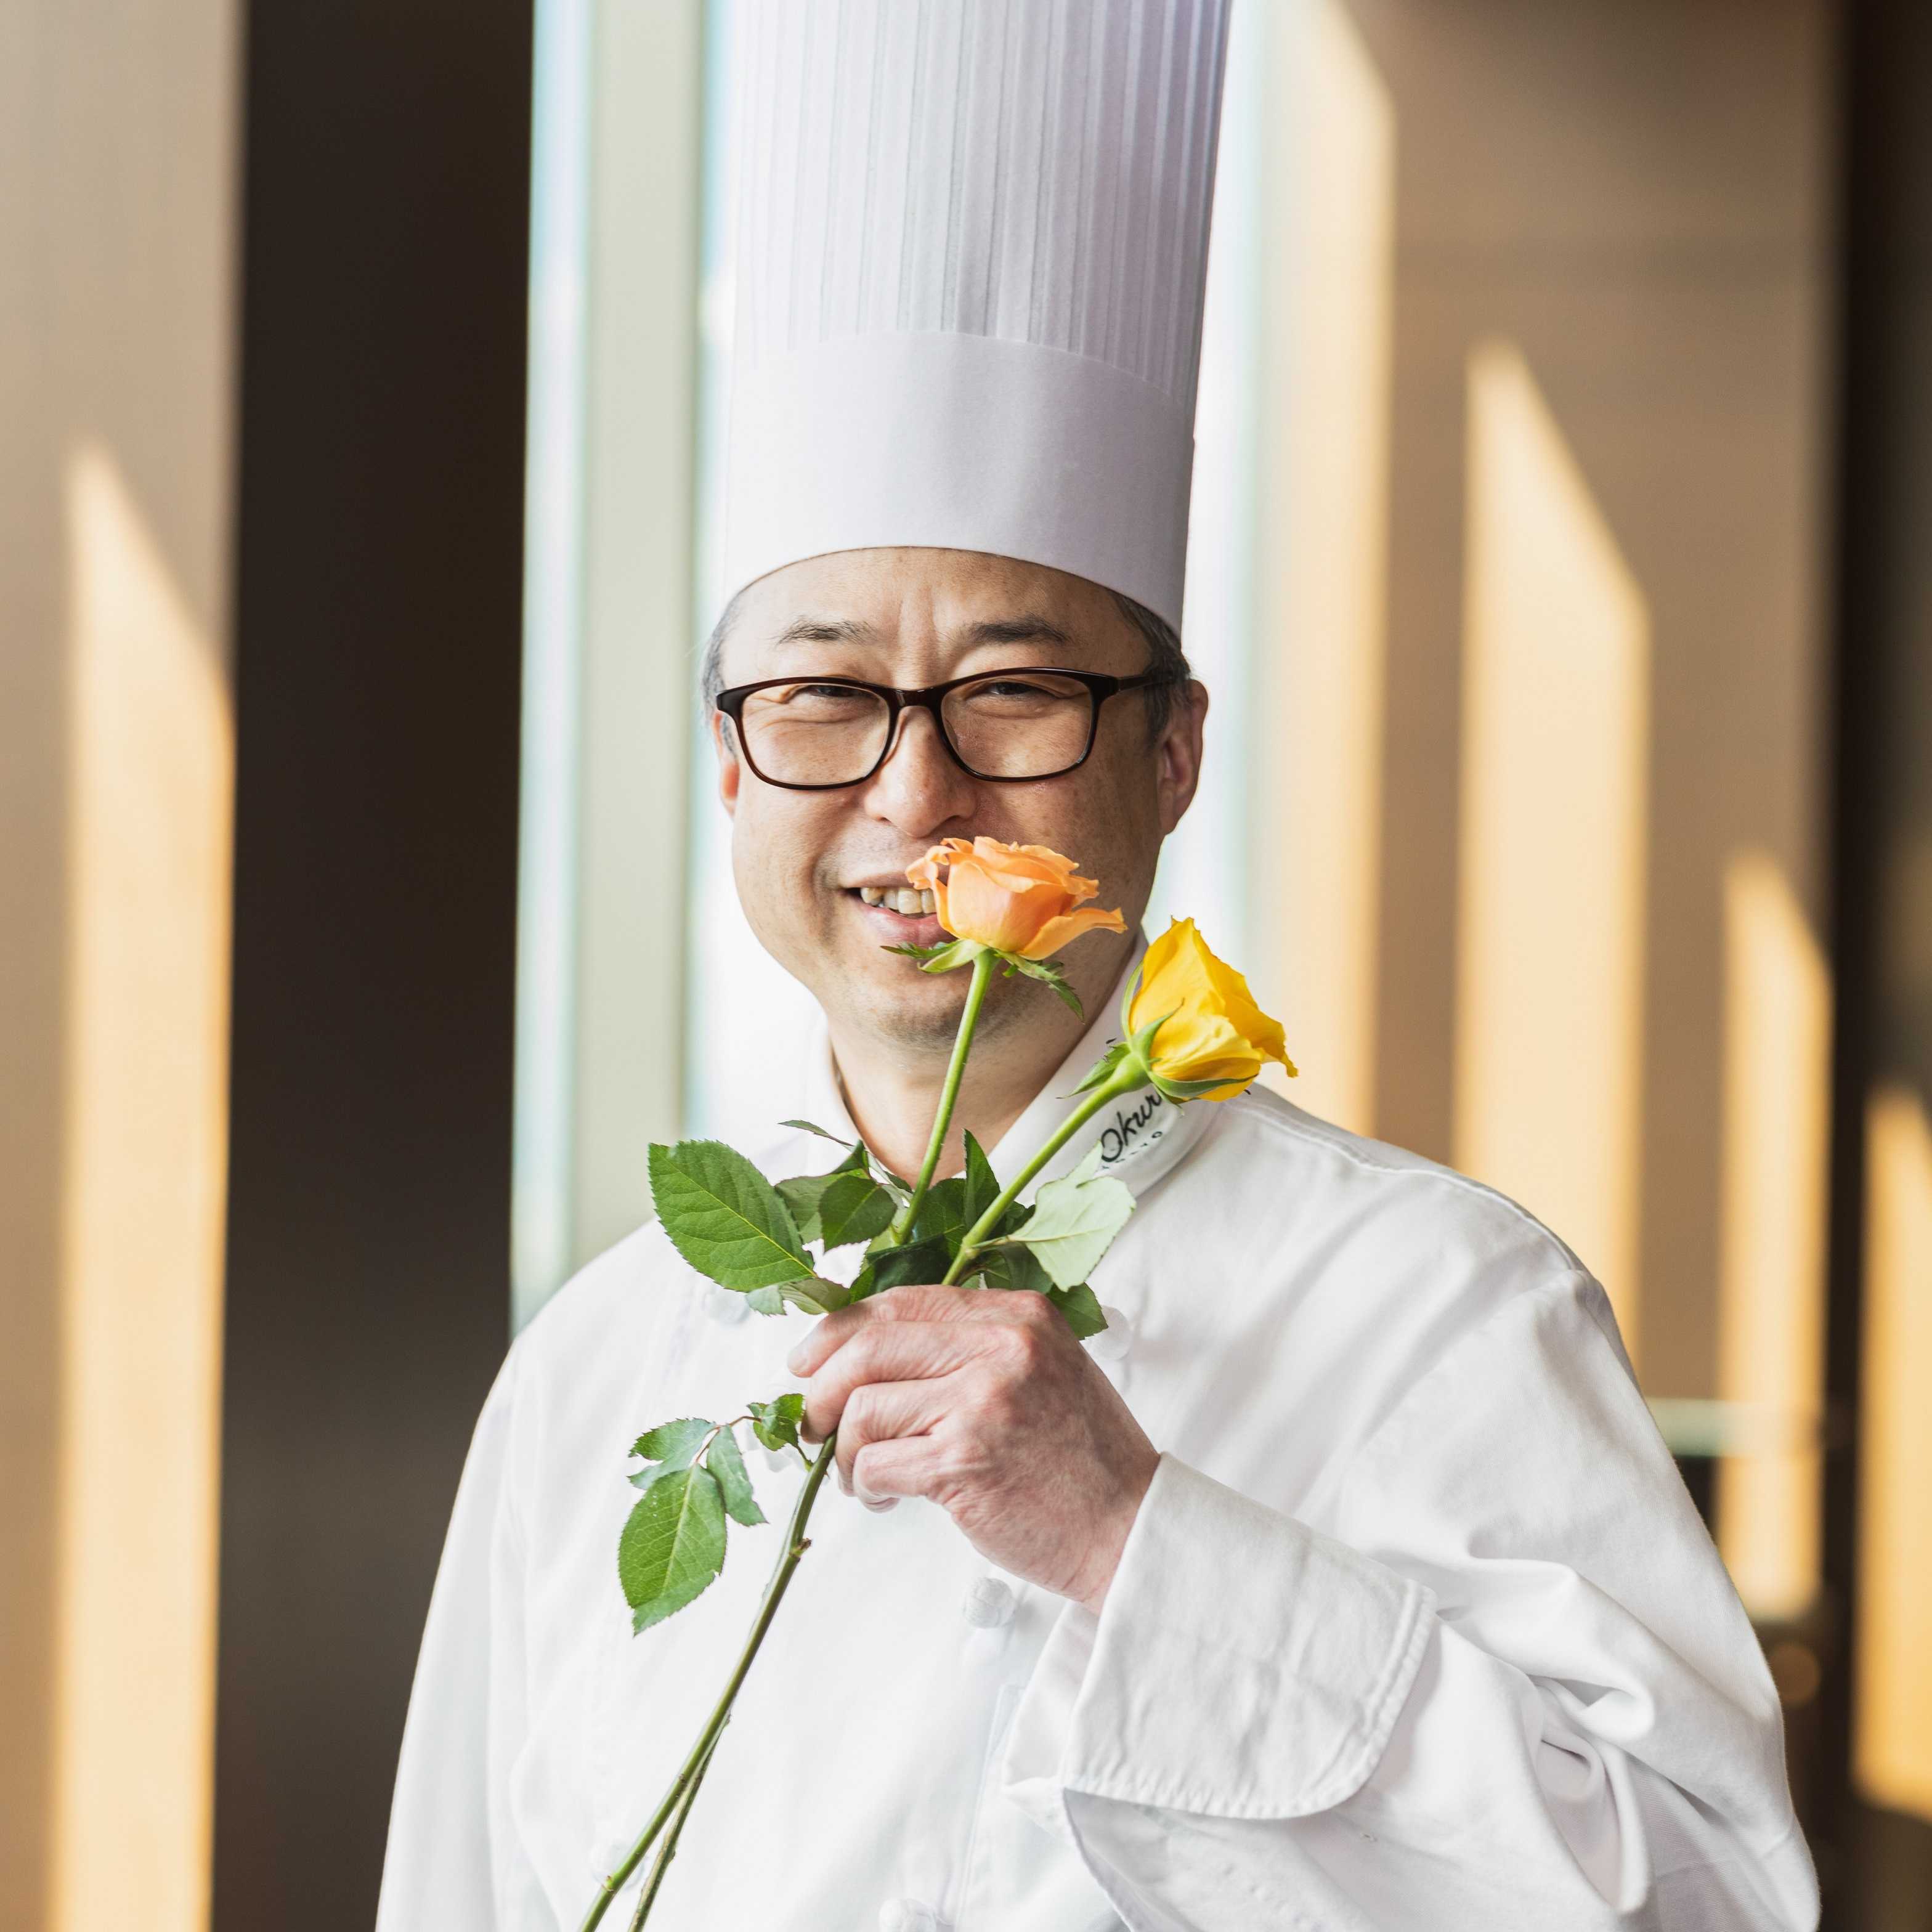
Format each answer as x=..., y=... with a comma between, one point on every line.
x=377, y=626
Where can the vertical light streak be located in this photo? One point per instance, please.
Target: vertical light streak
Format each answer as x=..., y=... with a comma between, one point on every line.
x=1770, y=1319
x=546, y=860
x=1321, y=551
x=1891, y=1743
x=1550, y=939
x=151, y=759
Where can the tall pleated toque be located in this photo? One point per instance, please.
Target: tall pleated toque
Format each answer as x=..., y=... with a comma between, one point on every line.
x=972, y=245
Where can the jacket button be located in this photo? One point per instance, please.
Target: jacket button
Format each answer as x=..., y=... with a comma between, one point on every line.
x=907, y=1914
x=989, y=1604
x=1114, y=1340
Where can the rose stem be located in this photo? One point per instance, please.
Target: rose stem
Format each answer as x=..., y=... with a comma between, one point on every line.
x=684, y=1787
x=668, y=1849
x=962, y=1041
x=796, y=1546
x=1128, y=1079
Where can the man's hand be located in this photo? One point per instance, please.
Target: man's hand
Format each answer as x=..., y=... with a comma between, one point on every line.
x=980, y=1400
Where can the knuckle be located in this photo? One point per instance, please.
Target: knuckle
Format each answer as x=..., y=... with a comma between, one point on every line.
x=858, y=1359
x=1028, y=1344
x=861, y=1414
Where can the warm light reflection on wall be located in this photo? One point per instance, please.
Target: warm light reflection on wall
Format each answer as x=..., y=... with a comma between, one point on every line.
x=1771, y=1330
x=1556, y=722
x=1320, y=556
x=1892, y=1724
x=152, y=764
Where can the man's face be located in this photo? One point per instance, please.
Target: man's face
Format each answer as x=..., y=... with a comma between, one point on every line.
x=913, y=618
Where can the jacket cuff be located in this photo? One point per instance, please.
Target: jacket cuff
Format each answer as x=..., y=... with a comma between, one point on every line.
x=1243, y=1666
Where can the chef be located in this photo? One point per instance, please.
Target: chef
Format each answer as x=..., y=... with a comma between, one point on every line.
x=1344, y=1581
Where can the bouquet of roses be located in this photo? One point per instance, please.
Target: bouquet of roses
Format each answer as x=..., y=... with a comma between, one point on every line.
x=1189, y=1028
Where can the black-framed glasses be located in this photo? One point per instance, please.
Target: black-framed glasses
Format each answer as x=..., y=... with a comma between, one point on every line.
x=1010, y=727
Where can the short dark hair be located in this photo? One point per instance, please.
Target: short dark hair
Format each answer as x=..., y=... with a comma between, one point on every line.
x=1166, y=657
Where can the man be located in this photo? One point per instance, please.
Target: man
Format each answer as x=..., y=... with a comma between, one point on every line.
x=1347, y=1584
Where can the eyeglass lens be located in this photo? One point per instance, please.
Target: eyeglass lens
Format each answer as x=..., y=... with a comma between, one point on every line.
x=1009, y=725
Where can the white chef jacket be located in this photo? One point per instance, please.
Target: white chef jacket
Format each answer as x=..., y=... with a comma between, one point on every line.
x=1417, y=1626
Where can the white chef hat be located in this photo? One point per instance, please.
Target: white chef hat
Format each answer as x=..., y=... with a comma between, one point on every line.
x=972, y=243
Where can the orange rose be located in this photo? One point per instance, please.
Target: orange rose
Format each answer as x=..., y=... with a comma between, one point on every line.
x=1019, y=900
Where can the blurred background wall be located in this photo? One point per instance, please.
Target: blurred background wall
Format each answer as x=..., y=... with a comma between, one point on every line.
x=118, y=154
x=1557, y=570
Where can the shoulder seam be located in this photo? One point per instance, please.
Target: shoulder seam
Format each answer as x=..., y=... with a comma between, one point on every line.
x=1338, y=1143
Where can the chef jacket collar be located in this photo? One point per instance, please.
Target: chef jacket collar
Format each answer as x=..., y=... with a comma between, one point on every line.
x=1141, y=1136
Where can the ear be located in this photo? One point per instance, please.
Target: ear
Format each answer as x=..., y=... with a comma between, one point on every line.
x=731, y=766
x=1177, y=753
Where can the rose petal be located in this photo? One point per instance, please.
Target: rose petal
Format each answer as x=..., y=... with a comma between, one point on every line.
x=1069, y=926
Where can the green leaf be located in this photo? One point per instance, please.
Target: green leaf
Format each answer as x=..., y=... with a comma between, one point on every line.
x=1103, y=1068
x=670, y=1447
x=723, y=1216
x=1181, y=1091
x=1009, y=1265
x=1044, y=970
x=1074, y=1221
x=775, y=1423
x=673, y=1442
x=673, y=1546
x=813, y=1295
x=943, y=958
x=923, y=1261
x=1081, y=1308
x=942, y=1216
x=982, y=1185
x=724, y=1462
x=813, y=1127
x=854, y=1207
x=803, y=1194
x=948, y=959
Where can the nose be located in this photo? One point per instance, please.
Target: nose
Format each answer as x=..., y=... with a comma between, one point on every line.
x=919, y=790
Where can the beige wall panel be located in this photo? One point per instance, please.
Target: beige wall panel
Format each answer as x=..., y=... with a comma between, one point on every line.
x=1637, y=196
x=1321, y=551
x=117, y=137
x=1555, y=740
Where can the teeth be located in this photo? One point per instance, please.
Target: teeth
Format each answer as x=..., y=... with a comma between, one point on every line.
x=904, y=900
x=901, y=899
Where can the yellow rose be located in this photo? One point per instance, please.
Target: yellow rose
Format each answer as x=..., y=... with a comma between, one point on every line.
x=1209, y=1039
x=1020, y=900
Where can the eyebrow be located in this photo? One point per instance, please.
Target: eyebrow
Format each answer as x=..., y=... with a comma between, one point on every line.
x=1027, y=628
x=825, y=630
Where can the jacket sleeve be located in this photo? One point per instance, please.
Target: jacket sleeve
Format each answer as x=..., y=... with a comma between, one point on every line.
x=1513, y=1689
x=451, y=1858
